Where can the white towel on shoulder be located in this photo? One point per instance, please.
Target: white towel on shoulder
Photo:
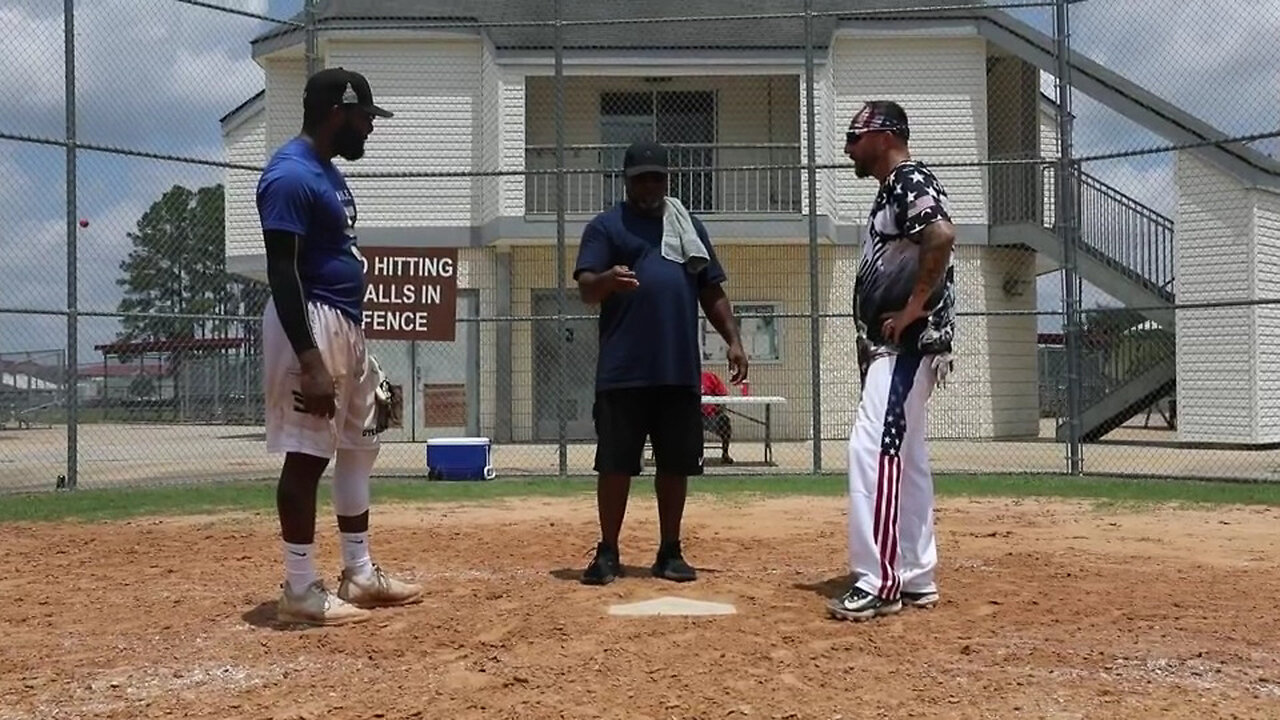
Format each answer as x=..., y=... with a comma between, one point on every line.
x=680, y=241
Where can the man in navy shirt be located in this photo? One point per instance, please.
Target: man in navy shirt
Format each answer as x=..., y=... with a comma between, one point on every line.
x=649, y=371
x=320, y=381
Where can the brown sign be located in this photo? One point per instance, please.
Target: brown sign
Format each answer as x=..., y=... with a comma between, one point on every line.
x=410, y=293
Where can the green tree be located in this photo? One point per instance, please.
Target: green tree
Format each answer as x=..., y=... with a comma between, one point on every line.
x=178, y=266
x=175, y=266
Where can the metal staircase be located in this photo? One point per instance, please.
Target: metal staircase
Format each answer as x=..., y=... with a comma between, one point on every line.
x=1134, y=352
x=1126, y=250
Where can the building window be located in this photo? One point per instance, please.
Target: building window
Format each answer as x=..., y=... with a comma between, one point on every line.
x=685, y=121
x=760, y=334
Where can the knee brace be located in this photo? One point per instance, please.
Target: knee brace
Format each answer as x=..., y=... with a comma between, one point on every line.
x=351, y=472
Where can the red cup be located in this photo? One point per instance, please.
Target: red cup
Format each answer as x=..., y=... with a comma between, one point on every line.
x=745, y=388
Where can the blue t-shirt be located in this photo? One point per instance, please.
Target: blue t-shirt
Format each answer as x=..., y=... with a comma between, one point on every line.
x=649, y=335
x=301, y=193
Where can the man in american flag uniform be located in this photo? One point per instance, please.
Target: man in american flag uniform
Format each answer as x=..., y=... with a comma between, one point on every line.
x=904, y=304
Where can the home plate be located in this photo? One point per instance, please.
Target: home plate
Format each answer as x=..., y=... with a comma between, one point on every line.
x=673, y=606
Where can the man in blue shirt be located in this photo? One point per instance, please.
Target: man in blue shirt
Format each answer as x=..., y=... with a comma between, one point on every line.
x=320, y=382
x=649, y=371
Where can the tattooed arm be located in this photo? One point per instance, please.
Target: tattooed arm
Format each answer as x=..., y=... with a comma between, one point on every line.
x=936, y=241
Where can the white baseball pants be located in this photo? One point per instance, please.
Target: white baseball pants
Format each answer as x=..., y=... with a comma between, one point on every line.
x=891, y=540
x=342, y=345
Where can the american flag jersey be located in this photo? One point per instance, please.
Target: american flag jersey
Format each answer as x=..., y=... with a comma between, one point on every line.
x=910, y=199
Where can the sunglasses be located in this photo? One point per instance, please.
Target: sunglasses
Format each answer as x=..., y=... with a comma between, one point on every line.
x=853, y=136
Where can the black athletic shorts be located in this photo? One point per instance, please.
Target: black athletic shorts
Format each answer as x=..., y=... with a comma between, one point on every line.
x=671, y=419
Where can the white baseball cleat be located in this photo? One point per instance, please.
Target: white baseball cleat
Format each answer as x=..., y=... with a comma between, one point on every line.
x=920, y=599
x=316, y=605
x=377, y=589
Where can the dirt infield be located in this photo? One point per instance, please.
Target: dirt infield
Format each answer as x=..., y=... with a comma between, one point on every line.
x=1050, y=610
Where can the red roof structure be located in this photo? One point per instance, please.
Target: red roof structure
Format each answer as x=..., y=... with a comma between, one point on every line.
x=100, y=370
x=141, y=347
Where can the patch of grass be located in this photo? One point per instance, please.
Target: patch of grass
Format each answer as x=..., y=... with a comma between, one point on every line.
x=1112, y=490
x=117, y=503
x=111, y=504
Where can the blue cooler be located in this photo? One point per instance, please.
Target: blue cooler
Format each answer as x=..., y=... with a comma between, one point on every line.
x=459, y=458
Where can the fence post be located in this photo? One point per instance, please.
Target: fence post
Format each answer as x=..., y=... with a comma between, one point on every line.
x=815, y=344
x=310, y=37
x=562, y=330
x=73, y=340
x=1065, y=216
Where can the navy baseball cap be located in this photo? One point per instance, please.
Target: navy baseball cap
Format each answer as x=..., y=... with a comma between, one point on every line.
x=339, y=86
x=645, y=156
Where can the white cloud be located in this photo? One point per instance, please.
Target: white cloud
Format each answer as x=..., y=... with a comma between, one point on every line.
x=151, y=75
x=1216, y=61
x=29, y=206
x=35, y=267
x=1150, y=180
x=34, y=56
x=14, y=178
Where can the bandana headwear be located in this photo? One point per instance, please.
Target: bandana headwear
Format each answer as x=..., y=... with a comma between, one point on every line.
x=875, y=117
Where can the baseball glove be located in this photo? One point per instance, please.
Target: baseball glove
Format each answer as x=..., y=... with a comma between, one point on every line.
x=386, y=400
x=864, y=359
x=943, y=364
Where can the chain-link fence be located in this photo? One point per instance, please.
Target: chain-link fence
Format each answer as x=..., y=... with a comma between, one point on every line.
x=1112, y=169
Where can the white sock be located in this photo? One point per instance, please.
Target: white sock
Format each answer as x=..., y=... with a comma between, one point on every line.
x=299, y=566
x=355, y=553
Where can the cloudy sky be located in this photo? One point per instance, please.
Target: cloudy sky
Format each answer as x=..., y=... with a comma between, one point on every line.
x=152, y=75
x=1216, y=60
x=156, y=75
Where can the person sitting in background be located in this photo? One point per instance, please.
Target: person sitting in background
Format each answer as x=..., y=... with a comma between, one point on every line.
x=715, y=418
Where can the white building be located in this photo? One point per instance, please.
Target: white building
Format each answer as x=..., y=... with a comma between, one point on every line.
x=482, y=99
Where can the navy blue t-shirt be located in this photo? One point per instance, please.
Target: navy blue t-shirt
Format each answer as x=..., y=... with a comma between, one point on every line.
x=301, y=193
x=649, y=335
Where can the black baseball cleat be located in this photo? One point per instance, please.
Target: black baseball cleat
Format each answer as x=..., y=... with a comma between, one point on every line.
x=671, y=565
x=858, y=604
x=605, y=567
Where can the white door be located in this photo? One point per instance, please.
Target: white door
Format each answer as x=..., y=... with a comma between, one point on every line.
x=439, y=381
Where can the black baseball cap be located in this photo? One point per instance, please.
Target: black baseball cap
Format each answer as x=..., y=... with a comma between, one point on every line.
x=645, y=156
x=339, y=86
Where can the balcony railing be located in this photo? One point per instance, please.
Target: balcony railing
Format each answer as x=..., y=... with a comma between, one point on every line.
x=708, y=179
